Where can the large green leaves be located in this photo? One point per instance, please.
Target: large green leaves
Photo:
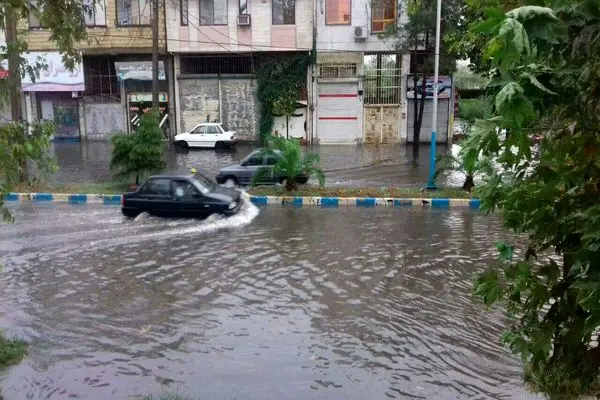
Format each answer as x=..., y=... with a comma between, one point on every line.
x=546, y=88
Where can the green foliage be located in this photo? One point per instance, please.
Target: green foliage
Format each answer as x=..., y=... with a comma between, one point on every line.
x=141, y=152
x=280, y=79
x=11, y=351
x=471, y=109
x=547, y=67
x=21, y=150
x=291, y=163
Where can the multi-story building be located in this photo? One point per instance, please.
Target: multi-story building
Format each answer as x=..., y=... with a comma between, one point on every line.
x=216, y=44
x=112, y=83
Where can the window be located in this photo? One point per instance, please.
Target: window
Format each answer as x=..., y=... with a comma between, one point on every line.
x=160, y=187
x=212, y=130
x=203, y=184
x=199, y=130
x=34, y=22
x=94, y=14
x=213, y=12
x=337, y=71
x=243, y=7
x=134, y=12
x=284, y=12
x=183, y=188
x=254, y=160
x=338, y=12
x=271, y=160
x=383, y=14
x=383, y=78
x=231, y=64
x=183, y=10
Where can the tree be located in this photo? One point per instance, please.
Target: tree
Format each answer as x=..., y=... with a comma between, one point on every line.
x=141, y=152
x=548, y=82
x=291, y=165
x=417, y=36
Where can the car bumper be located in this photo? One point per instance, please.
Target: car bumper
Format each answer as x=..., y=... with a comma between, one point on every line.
x=235, y=210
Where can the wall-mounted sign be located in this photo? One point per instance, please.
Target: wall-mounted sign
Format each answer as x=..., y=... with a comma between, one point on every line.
x=54, y=76
x=139, y=70
x=444, y=87
x=147, y=97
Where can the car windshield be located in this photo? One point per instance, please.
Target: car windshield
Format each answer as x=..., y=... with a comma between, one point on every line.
x=203, y=184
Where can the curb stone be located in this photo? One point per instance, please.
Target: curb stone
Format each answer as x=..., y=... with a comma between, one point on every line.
x=115, y=199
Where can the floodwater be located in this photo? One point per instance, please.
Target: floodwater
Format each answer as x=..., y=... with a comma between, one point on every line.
x=358, y=166
x=285, y=303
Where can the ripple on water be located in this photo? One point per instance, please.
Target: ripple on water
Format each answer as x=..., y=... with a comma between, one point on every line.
x=288, y=304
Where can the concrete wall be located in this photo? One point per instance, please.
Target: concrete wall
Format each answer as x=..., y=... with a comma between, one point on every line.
x=341, y=37
x=262, y=35
x=442, y=121
x=232, y=102
x=103, y=120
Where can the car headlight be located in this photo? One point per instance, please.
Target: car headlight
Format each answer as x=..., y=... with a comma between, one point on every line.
x=233, y=205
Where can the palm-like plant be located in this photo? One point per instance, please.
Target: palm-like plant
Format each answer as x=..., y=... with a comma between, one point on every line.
x=292, y=166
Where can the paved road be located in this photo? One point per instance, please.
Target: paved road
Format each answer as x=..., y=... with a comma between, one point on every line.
x=359, y=166
x=284, y=303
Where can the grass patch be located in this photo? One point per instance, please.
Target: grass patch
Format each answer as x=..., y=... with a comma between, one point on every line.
x=308, y=191
x=303, y=191
x=11, y=351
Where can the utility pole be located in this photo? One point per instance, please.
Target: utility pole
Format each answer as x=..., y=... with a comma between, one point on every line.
x=155, y=12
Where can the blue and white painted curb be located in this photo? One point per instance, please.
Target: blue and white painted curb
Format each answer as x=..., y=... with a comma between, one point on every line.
x=115, y=199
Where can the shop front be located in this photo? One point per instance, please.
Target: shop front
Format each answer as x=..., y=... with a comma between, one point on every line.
x=55, y=95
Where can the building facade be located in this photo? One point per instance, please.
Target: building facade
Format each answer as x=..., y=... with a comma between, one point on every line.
x=216, y=45
x=99, y=99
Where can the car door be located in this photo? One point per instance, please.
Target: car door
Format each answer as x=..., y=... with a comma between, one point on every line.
x=249, y=167
x=198, y=136
x=211, y=136
x=155, y=196
x=188, y=200
x=271, y=178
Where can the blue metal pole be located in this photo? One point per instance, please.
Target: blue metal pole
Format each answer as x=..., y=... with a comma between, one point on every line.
x=431, y=183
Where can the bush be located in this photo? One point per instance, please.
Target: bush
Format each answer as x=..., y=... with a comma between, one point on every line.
x=141, y=152
x=11, y=351
x=291, y=163
x=471, y=109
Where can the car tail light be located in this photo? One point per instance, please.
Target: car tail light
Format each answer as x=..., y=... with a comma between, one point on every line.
x=123, y=201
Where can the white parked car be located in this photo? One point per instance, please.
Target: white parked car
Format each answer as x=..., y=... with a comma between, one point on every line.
x=206, y=134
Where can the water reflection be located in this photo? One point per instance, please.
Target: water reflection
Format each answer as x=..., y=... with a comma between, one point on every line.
x=301, y=303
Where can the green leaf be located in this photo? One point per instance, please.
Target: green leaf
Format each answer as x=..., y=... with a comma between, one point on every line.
x=487, y=287
x=506, y=251
x=534, y=81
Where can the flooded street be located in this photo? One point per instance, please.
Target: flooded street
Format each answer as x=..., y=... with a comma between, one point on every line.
x=285, y=303
x=358, y=166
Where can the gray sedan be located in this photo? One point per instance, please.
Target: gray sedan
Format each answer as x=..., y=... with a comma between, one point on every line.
x=241, y=174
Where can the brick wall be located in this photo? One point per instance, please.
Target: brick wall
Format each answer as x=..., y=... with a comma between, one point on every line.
x=118, y=39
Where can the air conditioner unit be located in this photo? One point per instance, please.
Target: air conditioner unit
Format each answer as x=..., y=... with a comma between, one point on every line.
x=243, y=20
x=360, y=33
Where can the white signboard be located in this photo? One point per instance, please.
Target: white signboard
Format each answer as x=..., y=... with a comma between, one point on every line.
x=54, y=77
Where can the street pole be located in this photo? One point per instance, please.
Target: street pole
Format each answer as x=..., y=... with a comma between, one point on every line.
x=155, y=12
x=431, y=183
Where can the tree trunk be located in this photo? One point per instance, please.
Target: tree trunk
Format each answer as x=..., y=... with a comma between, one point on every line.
x=14, y=85
x=469, y=184
x=290, y=185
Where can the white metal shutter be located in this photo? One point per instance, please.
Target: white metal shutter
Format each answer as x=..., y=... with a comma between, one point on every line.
x=339, y=113
x=442, y=121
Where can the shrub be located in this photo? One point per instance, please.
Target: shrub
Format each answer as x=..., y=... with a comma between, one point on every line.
x=141, y=152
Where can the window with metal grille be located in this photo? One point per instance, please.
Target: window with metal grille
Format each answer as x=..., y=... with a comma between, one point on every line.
x=94, y=13
x=383, y=79
x=100, y=77
x=383, y=14
x=134, y=12
x=337, y=71
x=198, y=65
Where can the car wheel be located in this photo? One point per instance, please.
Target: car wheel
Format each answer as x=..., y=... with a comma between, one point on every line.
x=219, y=145
x=129, y=213
x=230, y=182
x=183, y=144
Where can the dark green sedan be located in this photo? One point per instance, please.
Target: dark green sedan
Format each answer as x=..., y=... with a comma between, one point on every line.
x=180, y=195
